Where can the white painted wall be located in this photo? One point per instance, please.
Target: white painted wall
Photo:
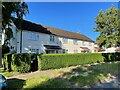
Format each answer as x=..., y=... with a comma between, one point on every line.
x=71, y=46
x=44, y=39
x=2, y=37
x=27, y=44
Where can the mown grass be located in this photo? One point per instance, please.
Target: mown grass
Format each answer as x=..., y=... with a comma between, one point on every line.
x=111, y=68
x=99, y=72
x=38, y=82
x=84, y=80
x=9, y=74
x=45, y=82
x=80, y=69
x=15, y=83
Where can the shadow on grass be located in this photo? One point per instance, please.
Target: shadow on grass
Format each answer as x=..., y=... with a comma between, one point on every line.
x=80, y=76
x=72, y=79
x=53, y=83
x=83, y=76
x=15, y=83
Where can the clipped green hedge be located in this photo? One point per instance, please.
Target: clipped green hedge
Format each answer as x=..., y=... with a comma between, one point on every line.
x=17, y=62
x=52, y=61
x=21, y=62
x=7, y=59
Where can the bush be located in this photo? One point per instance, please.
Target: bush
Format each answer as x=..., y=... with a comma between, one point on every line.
x=52, y=61
x=7, y=59
x=21, y=62
x=17, y=62
x=111, y=57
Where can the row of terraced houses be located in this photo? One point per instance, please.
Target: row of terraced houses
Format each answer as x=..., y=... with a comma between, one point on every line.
x=37, y=38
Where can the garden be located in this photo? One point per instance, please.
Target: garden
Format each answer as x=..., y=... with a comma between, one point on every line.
x=60, y=70
x=78, y=77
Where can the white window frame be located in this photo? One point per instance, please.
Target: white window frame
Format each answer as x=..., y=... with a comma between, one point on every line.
x=75, y=42
x=83, y=43
x=52, y=38
x=90, y=43
x=34, y=50
x=33, y=36
x=64, y=40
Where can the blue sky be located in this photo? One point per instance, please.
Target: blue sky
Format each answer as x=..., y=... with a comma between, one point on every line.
x=70, y=16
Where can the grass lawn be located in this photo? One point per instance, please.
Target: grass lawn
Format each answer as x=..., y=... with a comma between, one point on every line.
x=111, y=68
x=90, y=79
x=68, y=78
x=38, y=82
x=8, y=74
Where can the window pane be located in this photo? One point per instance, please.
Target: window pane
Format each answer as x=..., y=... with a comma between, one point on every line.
x=75, y=42
x=52, y=38
x=65, y=40
x=33, y=36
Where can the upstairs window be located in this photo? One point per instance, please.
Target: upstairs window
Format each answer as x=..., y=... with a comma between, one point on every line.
x=90, y=44
x=33, y=36
x=52, y=38
x=65, y=40
x=75, y=42
x=83, y=43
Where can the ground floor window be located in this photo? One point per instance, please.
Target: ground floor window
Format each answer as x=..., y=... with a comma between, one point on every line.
x=34, y=50
x=65, y=51
x=52, y=51
x=75, y=51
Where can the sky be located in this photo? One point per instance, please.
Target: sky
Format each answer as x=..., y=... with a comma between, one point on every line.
x=70, y=16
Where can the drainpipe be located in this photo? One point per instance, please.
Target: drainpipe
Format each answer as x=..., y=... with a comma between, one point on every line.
x=20, y=40
x=21, y=35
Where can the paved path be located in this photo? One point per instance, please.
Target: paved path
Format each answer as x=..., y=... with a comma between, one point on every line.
x=32, y=74
x=48, y=73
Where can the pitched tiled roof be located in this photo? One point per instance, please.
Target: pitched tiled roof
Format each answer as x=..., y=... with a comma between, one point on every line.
x=67, y=34
x=30, y=26
x=27, y=25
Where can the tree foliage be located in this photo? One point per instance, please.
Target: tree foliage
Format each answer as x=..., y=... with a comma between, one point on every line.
x=107, y=26
x=11, y=10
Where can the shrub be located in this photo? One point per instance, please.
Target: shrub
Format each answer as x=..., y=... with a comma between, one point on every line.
x=17, y=62
x=21, y=62
x=52, y=61
x=111, y=57
x=7, y=62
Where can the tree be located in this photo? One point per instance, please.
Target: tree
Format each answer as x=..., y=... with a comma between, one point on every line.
x=11, y=10
x=107, y=26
